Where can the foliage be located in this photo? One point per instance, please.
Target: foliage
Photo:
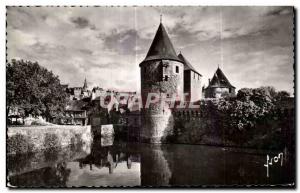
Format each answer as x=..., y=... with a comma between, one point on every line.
x=19, y=144
x=51, y=141
x=33, y=89
x=252, y=112
x=189, y=131
x=281, y=95
x=36, y=123
x=253, y=119
x=76, y=141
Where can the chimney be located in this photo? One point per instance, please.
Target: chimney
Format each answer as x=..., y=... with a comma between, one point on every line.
x=209, y=81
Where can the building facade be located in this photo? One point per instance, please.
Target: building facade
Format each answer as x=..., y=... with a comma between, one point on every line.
x=78, y=93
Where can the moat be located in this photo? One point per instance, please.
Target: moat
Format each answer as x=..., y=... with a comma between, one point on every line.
x=108, y=163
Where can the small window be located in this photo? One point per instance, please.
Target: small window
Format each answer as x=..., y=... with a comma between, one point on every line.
x=177, y=69
x=166, y=78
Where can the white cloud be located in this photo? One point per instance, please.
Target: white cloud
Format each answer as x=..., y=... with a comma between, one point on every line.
x=111, y=41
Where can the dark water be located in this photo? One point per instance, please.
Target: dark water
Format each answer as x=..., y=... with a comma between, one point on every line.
x=125, y=164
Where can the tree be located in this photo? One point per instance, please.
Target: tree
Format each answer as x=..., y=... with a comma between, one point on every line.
x=281, y=95
x=244, y=94
x=33, y=89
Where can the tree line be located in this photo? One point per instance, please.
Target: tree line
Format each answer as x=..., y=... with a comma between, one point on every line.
x=33, y=90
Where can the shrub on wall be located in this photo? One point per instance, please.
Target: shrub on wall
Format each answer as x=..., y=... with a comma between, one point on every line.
x=18, y=144
x=251, y=116
x=51, y=141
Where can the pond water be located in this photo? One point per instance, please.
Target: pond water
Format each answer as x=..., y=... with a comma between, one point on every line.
x=136, y=164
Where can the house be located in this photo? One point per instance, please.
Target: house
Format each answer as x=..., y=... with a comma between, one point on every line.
x=76, y=113
x=219, y=86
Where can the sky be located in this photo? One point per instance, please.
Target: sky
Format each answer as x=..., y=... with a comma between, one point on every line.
x=252, y=45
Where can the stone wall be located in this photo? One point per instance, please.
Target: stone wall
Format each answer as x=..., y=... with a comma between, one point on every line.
x=192, y=85
x=156, y=128
x=35, y=138
x=196, y=127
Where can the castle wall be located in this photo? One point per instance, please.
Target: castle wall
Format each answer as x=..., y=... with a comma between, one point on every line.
x=192, y=85
x=161, y=76
x=196, y=90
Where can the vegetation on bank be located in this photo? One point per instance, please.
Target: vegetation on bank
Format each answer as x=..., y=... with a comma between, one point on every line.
x=253, y=119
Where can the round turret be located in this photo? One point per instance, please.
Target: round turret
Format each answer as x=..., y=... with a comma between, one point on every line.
x=161, y=76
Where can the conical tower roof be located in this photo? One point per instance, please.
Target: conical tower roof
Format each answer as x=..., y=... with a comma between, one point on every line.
x=187, y=64
x=161, y=47
x=219, y=80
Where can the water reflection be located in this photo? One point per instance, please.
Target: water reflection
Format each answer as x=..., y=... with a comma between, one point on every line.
x=133, y=164
x=55, y=176
x=155, y=169
x=108, y=156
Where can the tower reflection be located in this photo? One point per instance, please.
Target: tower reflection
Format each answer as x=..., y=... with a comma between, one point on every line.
x=155, y=168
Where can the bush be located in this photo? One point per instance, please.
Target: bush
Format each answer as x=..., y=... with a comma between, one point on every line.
x=51, y=141
x=18, y=144
x=36, y=122
x=251, y=116
x=252, y=119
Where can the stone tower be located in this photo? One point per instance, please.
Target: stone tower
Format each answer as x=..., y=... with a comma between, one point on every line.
x=161, y=73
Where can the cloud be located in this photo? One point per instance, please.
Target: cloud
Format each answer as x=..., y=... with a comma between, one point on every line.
x=124, y=42
x=279, y=11
x=81, y=22
x=253, y=45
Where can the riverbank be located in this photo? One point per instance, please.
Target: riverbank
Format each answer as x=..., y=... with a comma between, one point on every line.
x=26, y=139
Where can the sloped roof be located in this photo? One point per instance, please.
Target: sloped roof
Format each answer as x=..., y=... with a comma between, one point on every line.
x=187, y=64
x=219, y=80
x=161, y=47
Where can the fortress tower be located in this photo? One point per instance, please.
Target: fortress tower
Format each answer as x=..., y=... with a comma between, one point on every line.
x=219, y=86
x=161, y=73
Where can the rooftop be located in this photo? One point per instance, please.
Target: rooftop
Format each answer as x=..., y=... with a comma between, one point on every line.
x=187, y=64
x=219, y=80
x=161, y=47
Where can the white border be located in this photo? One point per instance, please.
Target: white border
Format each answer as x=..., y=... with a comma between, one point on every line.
x=150, y=2
x=3, y=5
